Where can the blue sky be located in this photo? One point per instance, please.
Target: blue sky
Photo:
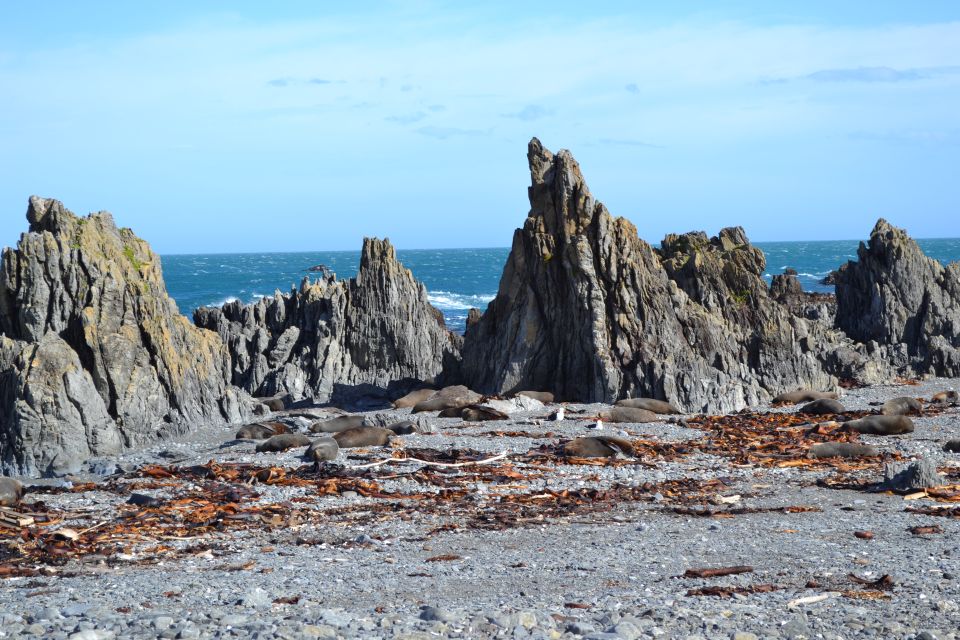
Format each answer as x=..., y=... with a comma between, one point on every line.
x=218, y=127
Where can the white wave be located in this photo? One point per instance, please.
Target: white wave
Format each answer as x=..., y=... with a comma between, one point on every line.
x=449, y=300
x=226, y=300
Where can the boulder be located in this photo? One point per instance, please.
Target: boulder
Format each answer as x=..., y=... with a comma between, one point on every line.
x=94, y=355
x=374, y=335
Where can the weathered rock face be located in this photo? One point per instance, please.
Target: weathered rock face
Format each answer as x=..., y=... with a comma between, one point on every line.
x=897, y=297
x=589, y=311
x=376, y=334
x=94, y=356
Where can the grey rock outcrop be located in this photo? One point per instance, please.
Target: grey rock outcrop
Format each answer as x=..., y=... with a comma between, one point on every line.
x=373, y=335
x=589, y=311
x=896, y=297
x=94, y=356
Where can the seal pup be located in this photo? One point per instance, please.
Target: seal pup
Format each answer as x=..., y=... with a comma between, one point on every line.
x=283, y=442
x=650, y=404
x=543, y=396
x=880, y=425
x=902, y=407
x=952, y=446
x=363, y=437
x=340, y=423
x=628, y=414
x=413, y=398
x=946, y=397
x=448, y=398
x=323, y=449
x=821, y=407
x=803, y=395
x=261, y=430
x=480, y=413
x=11, y=491
x=842, y=450
x=597, y=447
x=404, y=427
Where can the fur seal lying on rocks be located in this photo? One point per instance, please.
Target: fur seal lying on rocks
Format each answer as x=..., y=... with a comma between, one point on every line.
x=881, y=425
x=363, y=437
x=822, y=407
x=413, y=398
x=842, y=450
x=628, y=414
x=952, y=446
x=543, y=396
x=650, y=404
x=902, y=407
x=597, y=447
x=261, y=431
x=474, y=413
x=946, y=397
x=448, y=398
x=11, y=491
x=323, y=449
x=803, y=395
x=340, y=423
x=283, y=442
x=404, y=428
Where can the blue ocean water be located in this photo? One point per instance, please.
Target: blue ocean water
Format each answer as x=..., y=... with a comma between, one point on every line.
x=456, y=279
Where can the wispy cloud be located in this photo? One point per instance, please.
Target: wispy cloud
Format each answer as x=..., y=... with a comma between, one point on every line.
x=319, y=81
x=279, y=82
x=911, y=136
x=632, y=88
x=629, y=142
x=443, y=133
x=871, y=75
x=530, y=112
x=408, y=118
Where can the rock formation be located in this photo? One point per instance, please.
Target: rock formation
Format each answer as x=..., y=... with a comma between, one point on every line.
x=896, y=297
x=94, y=356
x=376, y=334
x=589, y=311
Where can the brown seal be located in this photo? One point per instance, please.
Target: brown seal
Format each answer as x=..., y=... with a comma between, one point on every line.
x=11, y=491
x=261, y=430
x=628, y=414
x=404, y=427
x=842, y=450
x=448, y=398
x=881, y=425
x=413, y=398
x=945, y=397
x=480, y=413
x=803, y=395
x=363, y=437
x=824, y=406
x=952, y=446
x=283, y=442
x=340, y=423
x=597, y=447
x=323, y=449
x=543, y=396
x=650, y=404
x=902, y=407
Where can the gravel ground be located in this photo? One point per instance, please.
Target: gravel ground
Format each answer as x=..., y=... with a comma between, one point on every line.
x=615, y=572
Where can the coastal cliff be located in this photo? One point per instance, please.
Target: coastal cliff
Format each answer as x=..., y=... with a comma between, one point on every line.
x=373, y=335
x=94, y=355
x=589, y=311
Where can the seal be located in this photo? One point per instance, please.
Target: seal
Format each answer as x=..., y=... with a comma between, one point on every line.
x=448, y=398
x=952, y=446
x=650, y=404
x=278, y=402
x=340, y=423
x=363, y=437
x=822, y=407
x=480, y=413
x=413, y=398
x=880, y=425
x=902, y=407
x=842, y=450
x=283, y=442
x=11, y=491
x=323, y=449
x=543, y=396
x=946, y=397
x=803, y=395
x=404, y=428
x=628, y=414
x=261, y=430
x=597, y=447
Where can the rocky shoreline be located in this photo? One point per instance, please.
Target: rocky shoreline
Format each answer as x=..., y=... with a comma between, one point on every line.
x=505, y=494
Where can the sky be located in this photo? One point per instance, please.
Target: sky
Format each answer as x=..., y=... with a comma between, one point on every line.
x=297, y=126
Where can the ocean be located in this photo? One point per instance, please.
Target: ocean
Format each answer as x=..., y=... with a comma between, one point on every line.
x=456, y=279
